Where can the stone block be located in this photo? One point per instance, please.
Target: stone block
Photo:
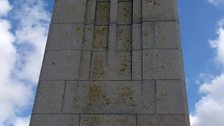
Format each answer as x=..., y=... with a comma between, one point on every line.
x=161, y=120
x=113, y=11
x=100, y=38
x=65, y=37
x=112, y=37
x=102, y=13
x=167, y=35
x=162, y=64
x=124, y=97
x=122, y=66
x=157, y=10
x=137, y=11
x=98, y=66
x=90, y=12
x=55, y=120
x=88, y=37
x=69, y=11
x=147, y=35
x=102, y=66
x=49, y=97
x=60, y=65
x=137, y=36
x=84, y=71
x=124, y=12
x=136, y=65
x=108, y=120
x=171, y=97
x=124, y=39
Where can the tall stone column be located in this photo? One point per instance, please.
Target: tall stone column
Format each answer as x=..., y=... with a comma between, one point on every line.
x=112, y=63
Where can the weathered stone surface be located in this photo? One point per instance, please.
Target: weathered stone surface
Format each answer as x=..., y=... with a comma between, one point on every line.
x=60, y=65
x=162, y=64
x=166, y=35
x=65, y=37
x=127, y=97
x=137, y=65
x=124, y=39
x=157, y=10
x=147, y=35
x=120, y=66
x=69, y=11
x=88, y=37
x=161, y=35
x=136, y=36
x=90, y=12
x=124, y=12
x=98, y=66
x=102, y=13
x=84, y=69
x=162, y=120
x=108, y=120
x=54, y=120
x=49, y=97
x=113, y=11
x=171, y=97
x=100, y=38
x=137, y=10
x=112, y=37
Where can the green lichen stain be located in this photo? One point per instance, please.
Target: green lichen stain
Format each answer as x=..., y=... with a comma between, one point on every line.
x=78, y=29
x=92, y=121
x=124, y=66
x=100, y=38
x=96, y=95
x=103, y=12
x=145, y=34
x=154, y=2
x=126, y=12
x=125, y=97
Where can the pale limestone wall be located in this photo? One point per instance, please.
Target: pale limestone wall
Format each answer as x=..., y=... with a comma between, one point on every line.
x=112, y=63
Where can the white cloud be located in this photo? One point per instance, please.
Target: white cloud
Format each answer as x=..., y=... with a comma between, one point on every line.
x=24, y=121
x=4, y=7
x=209, y=111
x=216, y=2
x=32, y=32
x=218, y=44
x=20, y=57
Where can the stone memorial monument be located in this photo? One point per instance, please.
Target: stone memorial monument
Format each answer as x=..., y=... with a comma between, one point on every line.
x=112, y=63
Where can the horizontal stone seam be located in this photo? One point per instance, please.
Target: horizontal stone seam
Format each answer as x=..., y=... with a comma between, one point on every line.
x=121, y=80
x=134, y=114
x=81, y=23
x=51, y=50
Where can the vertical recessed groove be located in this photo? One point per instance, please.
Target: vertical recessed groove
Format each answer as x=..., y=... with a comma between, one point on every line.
x=79, y=119
x=132, y=40
x=155, y=96
x=91, y=55
x=142, y=63
x=153, y=32
x=63, y=97
x=112, y=36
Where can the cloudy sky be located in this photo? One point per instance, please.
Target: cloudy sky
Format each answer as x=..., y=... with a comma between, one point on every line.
x=23, y=32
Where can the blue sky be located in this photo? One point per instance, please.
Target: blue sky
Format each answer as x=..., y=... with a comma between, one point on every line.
x=23, y=32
